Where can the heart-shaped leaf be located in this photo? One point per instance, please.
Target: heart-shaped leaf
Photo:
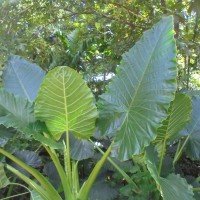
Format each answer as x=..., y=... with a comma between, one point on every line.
x=138, y=97
x=65, y=103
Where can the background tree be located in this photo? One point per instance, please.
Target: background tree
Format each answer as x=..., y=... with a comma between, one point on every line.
x=90, y=36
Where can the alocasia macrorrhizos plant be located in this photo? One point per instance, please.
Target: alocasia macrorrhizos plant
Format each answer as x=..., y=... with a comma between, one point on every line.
x=141, y=92
x=139, y=110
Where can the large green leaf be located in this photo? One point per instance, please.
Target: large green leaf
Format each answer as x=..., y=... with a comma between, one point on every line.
x=138, y=97
x=65, y=103
x=17, y=112
x=179, y=115
x=173, y=186
x=22, y=78
x=192, y=131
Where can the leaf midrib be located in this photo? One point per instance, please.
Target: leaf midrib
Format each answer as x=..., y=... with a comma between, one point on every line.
x=65, y=102
x=139, y=85
x=21, y=84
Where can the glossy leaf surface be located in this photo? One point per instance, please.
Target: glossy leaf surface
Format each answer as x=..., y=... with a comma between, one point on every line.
x=65, y=103
x=138, y=97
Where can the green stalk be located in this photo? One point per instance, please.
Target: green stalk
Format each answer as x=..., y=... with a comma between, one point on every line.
x=75, y=177
x=61, y=172
x=86, y=187
x=40, y=178
x=180, y=151
x=67, y=159
x=31, y=183
x=162, y=156
x=135, y=188
x=196, y=189
x=11, y=187
x=175, y=156
x=16, y=195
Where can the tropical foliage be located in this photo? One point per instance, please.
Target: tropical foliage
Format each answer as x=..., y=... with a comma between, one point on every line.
x=141, y=117
x=90, y=36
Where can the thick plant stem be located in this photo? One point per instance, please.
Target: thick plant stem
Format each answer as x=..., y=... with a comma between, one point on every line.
x=16, y=195
x=85, y=189
x=162, y=156
x=44, y=194
x=61, y=172
x=40, y=178
x=135, y=188
x=75, y=177
x=11, y=188
x=67, y=160
x=196, y=189
x=180, y=151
